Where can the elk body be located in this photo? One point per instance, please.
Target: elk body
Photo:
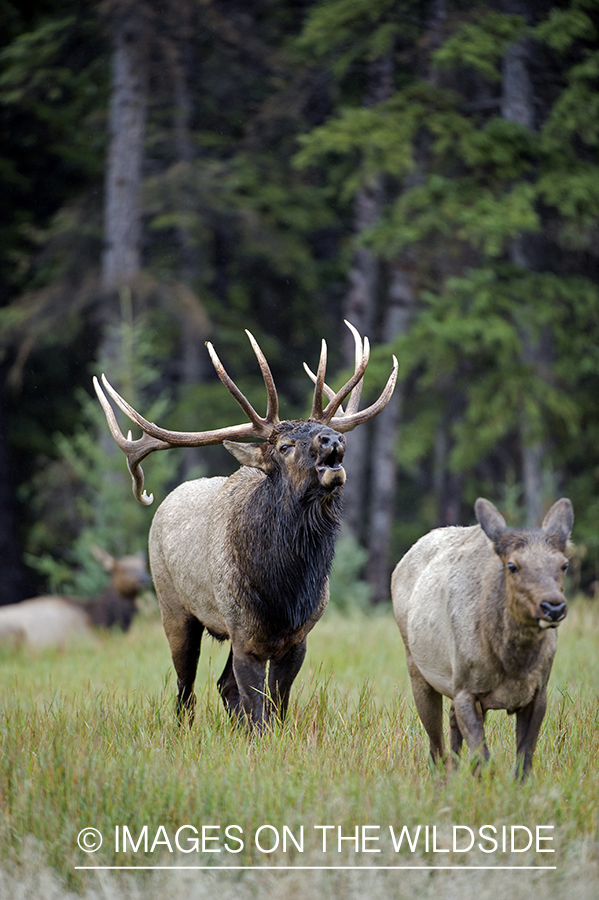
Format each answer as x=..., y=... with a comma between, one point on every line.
x=52, y=621
x=247, y=558
x=477, y=609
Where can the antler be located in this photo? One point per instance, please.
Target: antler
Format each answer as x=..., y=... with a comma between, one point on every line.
x=156, y=438
x=350, y=418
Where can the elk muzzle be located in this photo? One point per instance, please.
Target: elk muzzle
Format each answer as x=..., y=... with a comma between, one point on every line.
x=552, y=611
x=330, y=449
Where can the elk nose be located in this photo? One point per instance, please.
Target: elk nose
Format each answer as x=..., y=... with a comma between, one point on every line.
x=553, y=611
x=332, y=443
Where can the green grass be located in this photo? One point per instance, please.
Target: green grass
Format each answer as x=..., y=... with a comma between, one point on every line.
x=88, y=738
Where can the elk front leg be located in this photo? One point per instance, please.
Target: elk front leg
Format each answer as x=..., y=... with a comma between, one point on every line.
x=470, y=721
x=228, y=688
x=250, y=675
x=282, y=674
x=528, y=724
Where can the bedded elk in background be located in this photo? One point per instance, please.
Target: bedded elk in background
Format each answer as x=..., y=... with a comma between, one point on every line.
x=247, y=557
x=52, y=621
x=477, y=609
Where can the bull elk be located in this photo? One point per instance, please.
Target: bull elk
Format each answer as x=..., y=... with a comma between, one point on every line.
x=247, y=557
x=477, y=609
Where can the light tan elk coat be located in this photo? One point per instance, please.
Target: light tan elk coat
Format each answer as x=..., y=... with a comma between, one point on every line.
x=247, y=558
x=477, y=609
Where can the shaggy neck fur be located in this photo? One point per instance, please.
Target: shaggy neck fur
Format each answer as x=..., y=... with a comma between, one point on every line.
x=283, y=543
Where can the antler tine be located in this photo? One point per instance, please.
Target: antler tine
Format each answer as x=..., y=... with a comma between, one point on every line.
x=177, y=438
x=327, y=390
x=124, y=406
x=356, y=378
x=316, y=414
x=354, y=400
x=135, y=451
x=263, y=427
x=347, y=422
x=232, y=387
x=361, y=356
x=156, y=438
x=272, y=407
x=115, y=431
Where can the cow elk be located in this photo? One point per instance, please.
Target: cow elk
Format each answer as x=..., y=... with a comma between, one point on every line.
x=478, y=609
x=53, y=621
x=247, y=558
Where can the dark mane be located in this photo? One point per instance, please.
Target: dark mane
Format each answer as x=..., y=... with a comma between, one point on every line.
x=283, y=543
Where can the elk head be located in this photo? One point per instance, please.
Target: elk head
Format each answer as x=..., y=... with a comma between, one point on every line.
x=129, y=574
x=534, y=562
x=310, y=450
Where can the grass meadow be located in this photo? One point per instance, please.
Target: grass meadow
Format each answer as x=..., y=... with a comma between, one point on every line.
x=88, y=739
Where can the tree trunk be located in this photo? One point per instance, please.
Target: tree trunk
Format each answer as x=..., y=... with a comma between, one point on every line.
x=12, y=578
x=400, y=309
x=518, y=105
x=360, y=305
x=121, y=260
x=401, y=300
x=194, y=364
x=447, y=485
x=127, y=118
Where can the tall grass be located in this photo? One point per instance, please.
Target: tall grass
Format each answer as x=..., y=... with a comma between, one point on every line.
x=88, y=738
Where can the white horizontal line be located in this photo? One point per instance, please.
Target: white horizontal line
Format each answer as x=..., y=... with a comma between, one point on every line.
x=315, y=868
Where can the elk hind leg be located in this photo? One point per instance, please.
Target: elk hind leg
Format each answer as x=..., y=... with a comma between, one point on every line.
x=470, y=719
x=184, y=634
x=454, y=729
x=429, y=704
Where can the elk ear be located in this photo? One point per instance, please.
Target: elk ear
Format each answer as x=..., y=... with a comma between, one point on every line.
x=560, y=519
x=251, y=455
x=104, y=558
x=490, y=519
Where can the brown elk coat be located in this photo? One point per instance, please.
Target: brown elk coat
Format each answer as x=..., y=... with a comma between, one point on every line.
x=247, y=558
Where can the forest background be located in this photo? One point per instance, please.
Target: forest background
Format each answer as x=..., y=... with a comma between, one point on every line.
x=177, y=172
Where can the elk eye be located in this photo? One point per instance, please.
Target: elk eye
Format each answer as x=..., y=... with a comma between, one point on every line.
x=284, y=448
x=565, y=566
x=512, y=567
